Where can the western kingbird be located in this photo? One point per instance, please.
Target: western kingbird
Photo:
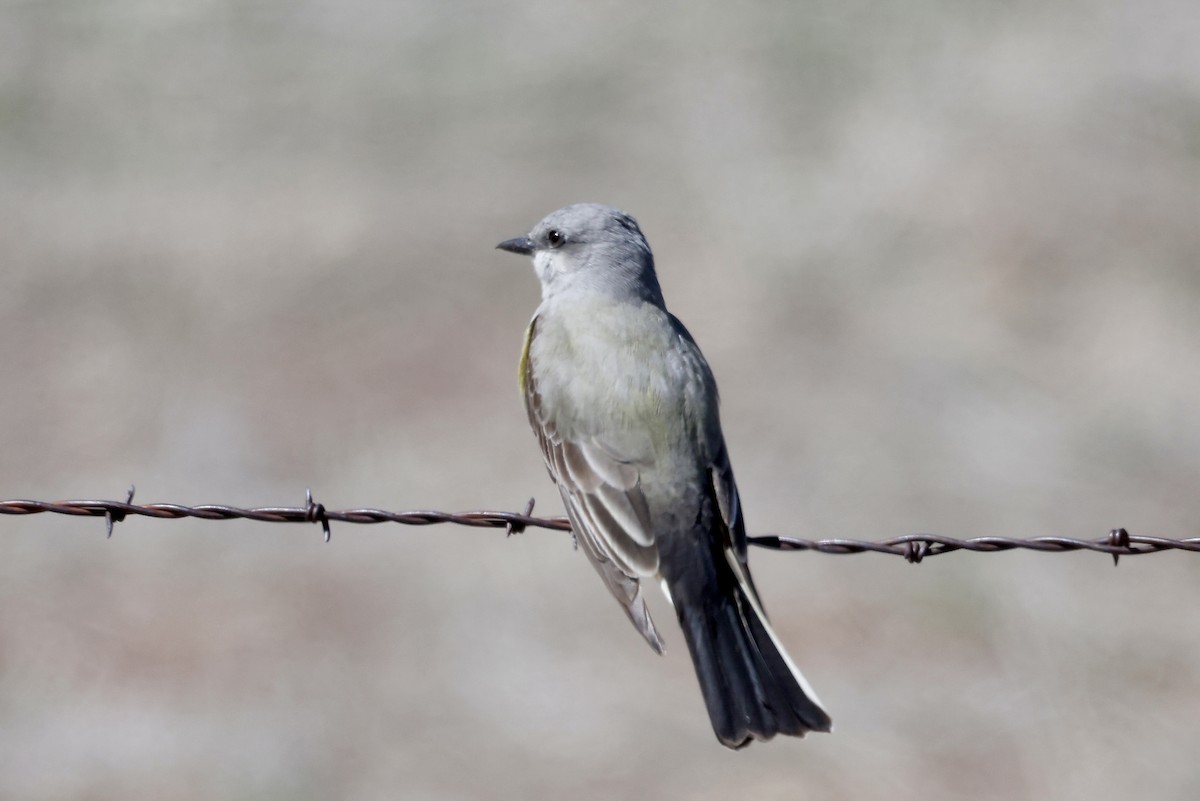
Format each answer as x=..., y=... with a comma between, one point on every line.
x=624, y=407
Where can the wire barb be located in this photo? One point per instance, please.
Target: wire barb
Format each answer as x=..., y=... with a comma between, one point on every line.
x=516, y=526
x=315, y=513
x=117, y=515
x=1118, y=538
x=915, y=550
x=913, y=547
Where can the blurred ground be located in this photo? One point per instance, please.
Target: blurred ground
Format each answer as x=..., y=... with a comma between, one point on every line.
x=943, y=257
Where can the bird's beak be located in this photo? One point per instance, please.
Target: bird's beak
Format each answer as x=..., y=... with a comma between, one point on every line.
x=522, y=245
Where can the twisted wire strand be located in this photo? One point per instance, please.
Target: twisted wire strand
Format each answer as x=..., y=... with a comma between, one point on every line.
x=913, y=547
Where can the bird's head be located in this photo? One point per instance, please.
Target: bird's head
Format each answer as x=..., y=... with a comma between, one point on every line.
x=590, y=247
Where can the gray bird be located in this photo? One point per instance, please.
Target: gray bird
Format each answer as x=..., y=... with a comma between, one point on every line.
x=624, y=407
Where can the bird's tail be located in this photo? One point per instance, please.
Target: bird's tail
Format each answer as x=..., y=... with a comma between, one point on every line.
x=751, y=688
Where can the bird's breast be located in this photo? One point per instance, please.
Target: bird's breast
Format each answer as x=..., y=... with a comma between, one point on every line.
x=623, y=374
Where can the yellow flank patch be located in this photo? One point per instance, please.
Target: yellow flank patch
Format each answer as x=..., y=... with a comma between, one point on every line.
x=523, y=365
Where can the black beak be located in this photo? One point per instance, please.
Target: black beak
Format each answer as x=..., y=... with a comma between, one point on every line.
x=522, y=245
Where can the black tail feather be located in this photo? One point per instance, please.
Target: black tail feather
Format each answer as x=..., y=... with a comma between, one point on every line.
x=749, y=687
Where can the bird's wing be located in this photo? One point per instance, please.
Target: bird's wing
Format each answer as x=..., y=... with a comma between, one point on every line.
x=604, y=500
x=733, y=529
x=730, y=506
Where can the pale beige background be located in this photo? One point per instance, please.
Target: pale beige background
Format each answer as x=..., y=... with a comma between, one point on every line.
x=943, y=257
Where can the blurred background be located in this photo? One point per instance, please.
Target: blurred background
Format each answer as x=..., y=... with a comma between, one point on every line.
x=943, y=257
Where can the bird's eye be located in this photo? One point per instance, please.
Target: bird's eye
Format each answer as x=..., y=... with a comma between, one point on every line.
x=555, y=237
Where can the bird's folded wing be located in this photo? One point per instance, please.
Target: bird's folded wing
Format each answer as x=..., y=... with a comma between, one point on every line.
x=728, y=503
x=602, y=492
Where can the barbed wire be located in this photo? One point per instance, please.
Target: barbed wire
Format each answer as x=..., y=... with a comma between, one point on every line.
x=913, y=547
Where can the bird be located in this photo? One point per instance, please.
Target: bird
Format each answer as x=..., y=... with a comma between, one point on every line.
x=625, y=410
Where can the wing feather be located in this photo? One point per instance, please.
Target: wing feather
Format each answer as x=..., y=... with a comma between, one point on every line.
x=728, y=503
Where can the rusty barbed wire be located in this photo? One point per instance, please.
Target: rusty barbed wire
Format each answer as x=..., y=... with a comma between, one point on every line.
x=913, y=547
